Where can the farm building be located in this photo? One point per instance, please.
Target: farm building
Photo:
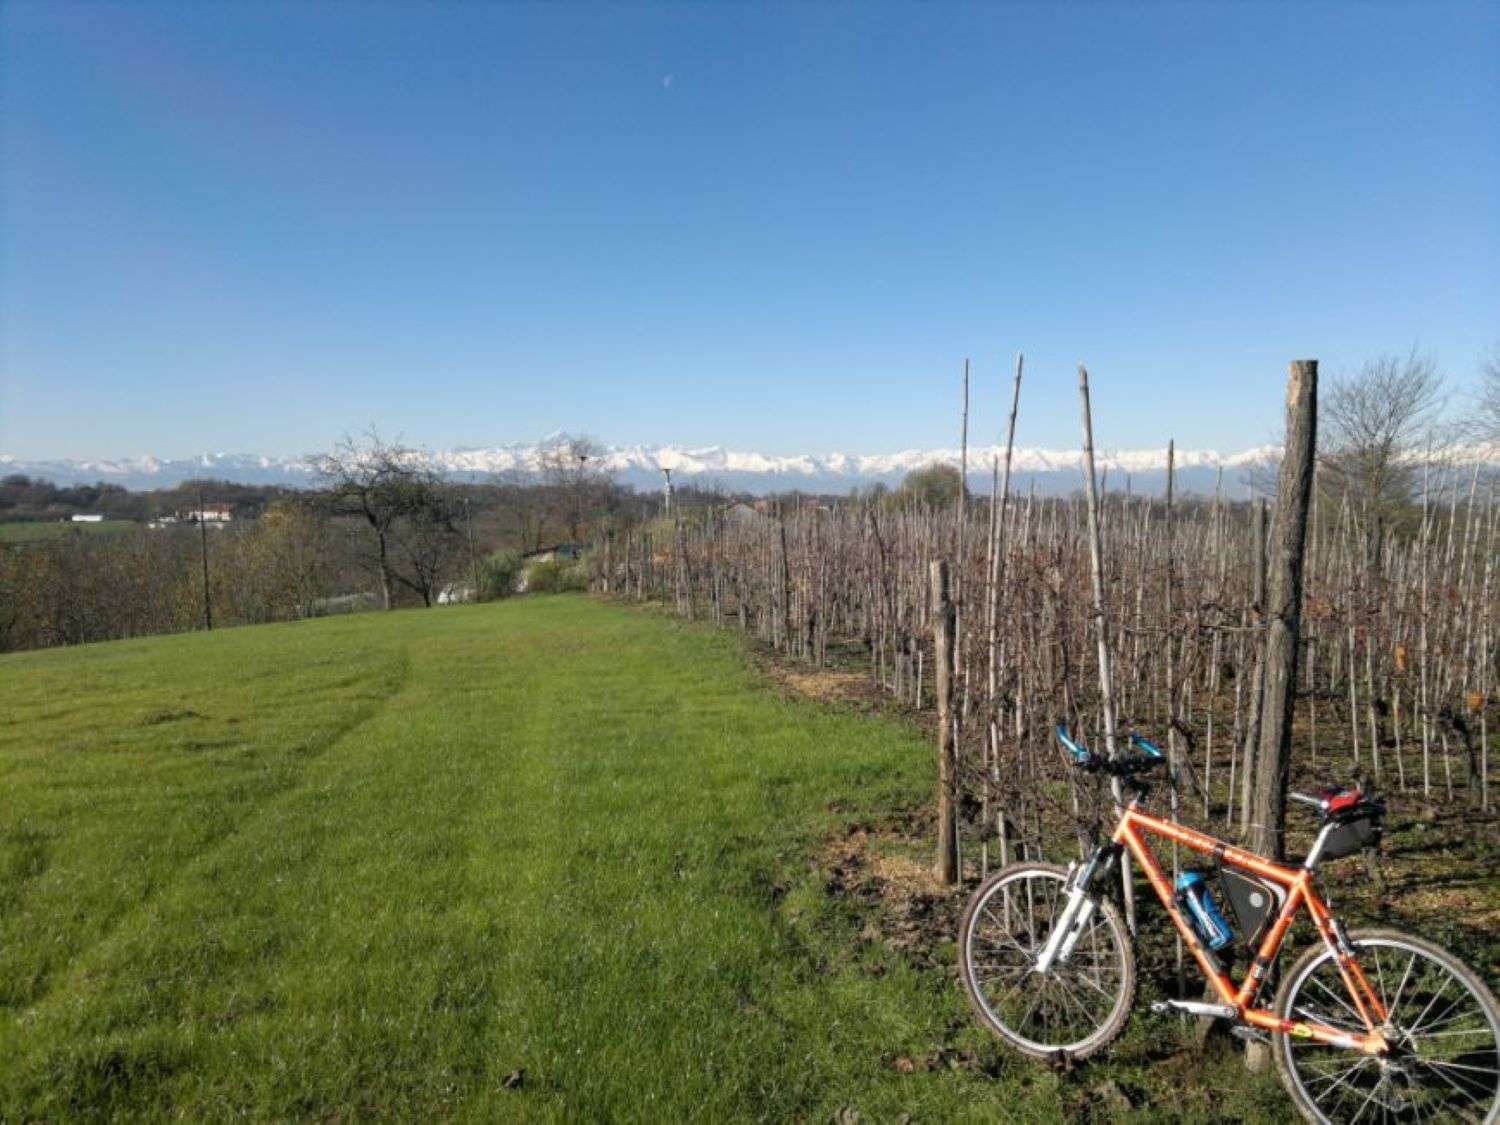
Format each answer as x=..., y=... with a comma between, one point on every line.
x=209, y=513
x=564, y=551
x=741, y=514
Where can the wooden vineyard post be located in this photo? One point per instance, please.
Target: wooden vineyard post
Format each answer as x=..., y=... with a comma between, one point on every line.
x=1284, y=611
x=1172, y=716
x=784, y=592
x=1096, y=558
x=1258, y=677
x=961, y=593
x=943, y=617
x=999, y=503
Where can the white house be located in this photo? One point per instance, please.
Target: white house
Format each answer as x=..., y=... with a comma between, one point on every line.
x=210, y=513
x=80, y=517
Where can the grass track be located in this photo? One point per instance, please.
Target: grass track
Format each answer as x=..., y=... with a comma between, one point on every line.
x=373, y=865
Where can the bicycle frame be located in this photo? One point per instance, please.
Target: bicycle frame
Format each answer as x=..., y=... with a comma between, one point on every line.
x=1129, y=833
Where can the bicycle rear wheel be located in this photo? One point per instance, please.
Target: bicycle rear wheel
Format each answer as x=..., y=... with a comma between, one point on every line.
x=1445, y=1024
x=1077, y=1007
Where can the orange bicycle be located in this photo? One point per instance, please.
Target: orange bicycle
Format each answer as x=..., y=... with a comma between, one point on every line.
x=1369, y=1025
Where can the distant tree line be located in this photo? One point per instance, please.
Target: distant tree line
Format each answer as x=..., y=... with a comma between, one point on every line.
x=380, y=530
x=27, y=499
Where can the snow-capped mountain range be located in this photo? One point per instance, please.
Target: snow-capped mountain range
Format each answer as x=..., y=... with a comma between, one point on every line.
x=1051, y=470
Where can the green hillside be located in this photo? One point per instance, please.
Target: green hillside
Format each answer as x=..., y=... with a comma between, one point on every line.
x=545, y=859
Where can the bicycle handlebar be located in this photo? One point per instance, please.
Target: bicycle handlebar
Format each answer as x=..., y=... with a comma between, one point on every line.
x=1086, y=760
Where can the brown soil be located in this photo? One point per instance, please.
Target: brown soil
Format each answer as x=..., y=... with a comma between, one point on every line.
x=881, y=865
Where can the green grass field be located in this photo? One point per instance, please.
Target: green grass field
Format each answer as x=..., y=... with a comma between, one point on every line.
x=21, y=531
x=378, y=865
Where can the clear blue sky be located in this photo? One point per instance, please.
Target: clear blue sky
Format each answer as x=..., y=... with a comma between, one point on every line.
x=251, y=228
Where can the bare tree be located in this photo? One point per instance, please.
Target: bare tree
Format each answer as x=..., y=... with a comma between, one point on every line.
x=1372, y=421
x=428, y=540
x=1487, y=421
x=573, y=468
x=400, y=499
x=525, y=504
x=294, y=536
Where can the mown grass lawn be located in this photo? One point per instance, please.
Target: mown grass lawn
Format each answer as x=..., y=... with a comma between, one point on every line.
x=542, y=859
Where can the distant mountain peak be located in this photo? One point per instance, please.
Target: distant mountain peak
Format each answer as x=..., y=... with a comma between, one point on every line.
x=735, y=470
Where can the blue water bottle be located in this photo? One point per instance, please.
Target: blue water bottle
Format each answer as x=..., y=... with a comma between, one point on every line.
x=1192, y=892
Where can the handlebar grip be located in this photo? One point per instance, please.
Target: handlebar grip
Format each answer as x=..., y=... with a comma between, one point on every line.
x=1315, y=802
x=1080, y=753
x=1147, y=745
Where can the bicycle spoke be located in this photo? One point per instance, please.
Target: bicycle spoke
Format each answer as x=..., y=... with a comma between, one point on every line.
x=1310, y=1016
x=1085, y=980
x=1390, y=1011
x=1339, y=1086
x=1446, y=982
x=1459, y=1066
x=1380, y=976
x=1452, y=1012
x=1066, y=994
x=1340, y=1002
x=1364, y=1105
x=1445, y=1034
x=1453, y=1083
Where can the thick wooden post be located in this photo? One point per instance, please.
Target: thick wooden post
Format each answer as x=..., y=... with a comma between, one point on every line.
x=1284, y=610
x=943, y=621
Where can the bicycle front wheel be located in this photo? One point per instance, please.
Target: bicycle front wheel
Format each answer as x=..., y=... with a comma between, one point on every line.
x=1443, y=1021
x=1079, y=1005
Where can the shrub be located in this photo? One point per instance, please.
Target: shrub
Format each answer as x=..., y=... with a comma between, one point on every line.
x=498, y=574
x=555, y=576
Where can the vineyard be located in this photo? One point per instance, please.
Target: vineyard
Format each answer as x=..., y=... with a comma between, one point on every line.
x=1395, y=675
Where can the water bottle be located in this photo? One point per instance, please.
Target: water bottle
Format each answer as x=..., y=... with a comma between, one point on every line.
x=1202, y=911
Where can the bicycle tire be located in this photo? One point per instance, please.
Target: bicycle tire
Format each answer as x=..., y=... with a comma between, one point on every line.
x=1017, y=876
x=1385, y=1084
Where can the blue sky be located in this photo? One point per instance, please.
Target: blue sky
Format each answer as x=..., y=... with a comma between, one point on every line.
x=254, y=227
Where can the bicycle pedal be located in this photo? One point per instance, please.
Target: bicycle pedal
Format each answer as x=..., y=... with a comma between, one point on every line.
x=1249, y=1034
x=1195, y=1008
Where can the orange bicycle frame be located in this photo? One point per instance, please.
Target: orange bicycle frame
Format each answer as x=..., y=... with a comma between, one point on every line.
x=1298, y=883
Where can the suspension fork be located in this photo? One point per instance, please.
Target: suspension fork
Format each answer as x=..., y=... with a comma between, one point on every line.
x=1080, y=907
